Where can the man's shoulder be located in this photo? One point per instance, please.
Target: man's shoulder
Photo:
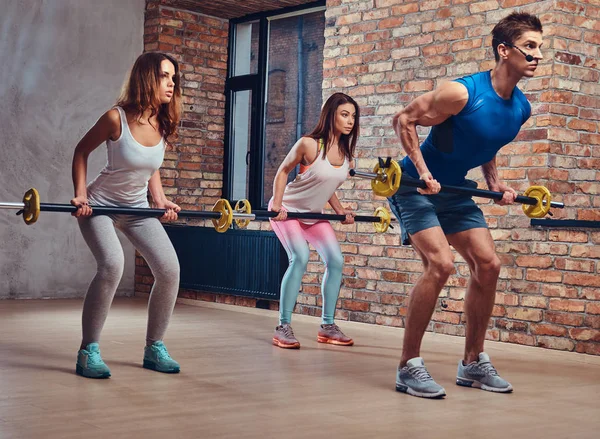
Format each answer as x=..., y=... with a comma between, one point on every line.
x=474, y=78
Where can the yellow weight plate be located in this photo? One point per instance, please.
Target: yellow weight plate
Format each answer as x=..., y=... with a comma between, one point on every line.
x=243, y=206
x=223, y=223
x=384, y=223
x=391, y=184
x=543, y=197
x=31, y=211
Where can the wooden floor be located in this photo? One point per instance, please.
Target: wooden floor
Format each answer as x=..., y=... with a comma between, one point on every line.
x=235, y=384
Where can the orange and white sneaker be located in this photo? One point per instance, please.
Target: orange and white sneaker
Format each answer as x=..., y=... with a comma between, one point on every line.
x=332, y=334
x=284, y=337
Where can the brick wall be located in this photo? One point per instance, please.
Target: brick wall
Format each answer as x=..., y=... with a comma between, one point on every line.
x=386, y=52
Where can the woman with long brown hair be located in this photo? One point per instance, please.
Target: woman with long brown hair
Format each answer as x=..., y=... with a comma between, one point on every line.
x=325, y=157
x=135, y=132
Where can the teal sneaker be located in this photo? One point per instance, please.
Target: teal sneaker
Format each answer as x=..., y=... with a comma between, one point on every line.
x=90, y=364
x=156, y=357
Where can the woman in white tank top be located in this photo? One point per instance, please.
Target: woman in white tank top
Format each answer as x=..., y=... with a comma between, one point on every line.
x=325, y=157
x=135, y=132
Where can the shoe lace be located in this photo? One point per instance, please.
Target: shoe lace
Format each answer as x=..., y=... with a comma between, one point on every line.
x=287, y=331
x=420, y=374
x=485, y=368
x=489, y=369
x=333, y=328
x=94, y=358
x=163, y=354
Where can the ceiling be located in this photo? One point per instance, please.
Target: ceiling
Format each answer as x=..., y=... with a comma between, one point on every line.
x=232, y=8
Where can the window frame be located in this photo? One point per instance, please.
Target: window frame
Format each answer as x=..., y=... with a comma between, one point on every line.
x=257, y=83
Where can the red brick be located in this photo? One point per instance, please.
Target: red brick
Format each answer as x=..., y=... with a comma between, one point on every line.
x=588, y=348
x=533, y=315
x=362, y=317
x=590, y=293
x=534, y=261
x=390, y=23
x=567, y=58
x=405, y=9
x=590, y=139
x=548, y=329
x=449, y=329
x=567, y=236
x=563, y=97
x=574, y=265
x=393, y=299
x=592, y=322
x=562, y=318
x=584, y=334
x=592, y=308
x=483, y=6
x=492, y=334
x=513, y=337
x=567, y=305
x=469, y=20
x=354, y=305
x=389, y=321
x=543, y=275
x=592, y=37
x=416, y=86
x=586, y=280
x=512, y=325
x=394, y=276
x=523, y=287
x=498, y=311
x=513, y=3
x=447, y=317
x=559, y=343
x=559, y=291
x=533, y=302
x=386, y=3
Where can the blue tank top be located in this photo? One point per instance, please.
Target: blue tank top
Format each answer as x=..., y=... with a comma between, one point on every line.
x=475, y=135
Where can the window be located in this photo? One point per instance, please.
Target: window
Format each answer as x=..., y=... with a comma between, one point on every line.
x=274, y=96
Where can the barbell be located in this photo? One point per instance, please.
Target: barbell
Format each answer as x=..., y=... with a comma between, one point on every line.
x=222, y=214
x=387, y=178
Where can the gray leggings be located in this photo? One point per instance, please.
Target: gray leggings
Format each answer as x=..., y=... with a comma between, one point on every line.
x=150, y=238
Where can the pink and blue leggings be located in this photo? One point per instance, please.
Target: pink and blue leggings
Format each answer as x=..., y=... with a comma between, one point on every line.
x=294, y=237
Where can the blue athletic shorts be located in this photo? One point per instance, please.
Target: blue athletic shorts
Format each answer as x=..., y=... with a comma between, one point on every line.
x=452, y=212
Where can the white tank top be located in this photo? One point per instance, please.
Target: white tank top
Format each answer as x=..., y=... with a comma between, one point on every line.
x=124, y=179
x=311, y=190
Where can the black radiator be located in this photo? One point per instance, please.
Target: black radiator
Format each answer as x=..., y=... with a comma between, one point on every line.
x=247, y=263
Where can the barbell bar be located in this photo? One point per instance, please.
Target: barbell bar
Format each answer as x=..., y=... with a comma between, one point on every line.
x=222, y=214
x=387, y=178
x=381, y=218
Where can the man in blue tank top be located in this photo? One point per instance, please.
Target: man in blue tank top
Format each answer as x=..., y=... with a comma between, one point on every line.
x=472, y=118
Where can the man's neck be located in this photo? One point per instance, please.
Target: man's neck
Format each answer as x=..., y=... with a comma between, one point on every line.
x=504, y=81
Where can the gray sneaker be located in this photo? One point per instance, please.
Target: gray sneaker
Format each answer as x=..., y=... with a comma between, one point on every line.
x=332, y=334
x=482, y=375
x=415, y=380
x=284, y=337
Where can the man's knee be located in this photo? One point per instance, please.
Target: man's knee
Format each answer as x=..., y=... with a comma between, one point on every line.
x=488, y=266
x=440, y=267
